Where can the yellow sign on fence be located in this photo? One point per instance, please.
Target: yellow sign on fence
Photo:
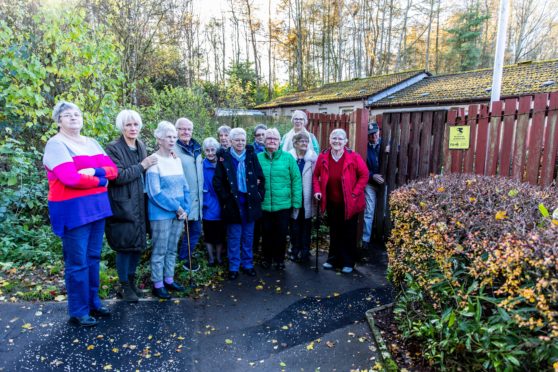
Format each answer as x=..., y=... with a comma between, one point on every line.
x=459, y=137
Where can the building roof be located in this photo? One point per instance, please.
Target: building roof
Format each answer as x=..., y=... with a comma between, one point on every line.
x=355, y=89
x=518, y=80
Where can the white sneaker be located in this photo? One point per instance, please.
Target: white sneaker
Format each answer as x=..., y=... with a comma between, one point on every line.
x=327, y=266
x=347, y=270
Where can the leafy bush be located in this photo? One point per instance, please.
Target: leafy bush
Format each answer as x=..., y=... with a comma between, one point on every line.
x=476, y=261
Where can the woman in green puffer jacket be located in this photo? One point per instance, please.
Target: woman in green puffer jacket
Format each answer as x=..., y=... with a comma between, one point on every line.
x=283, y=192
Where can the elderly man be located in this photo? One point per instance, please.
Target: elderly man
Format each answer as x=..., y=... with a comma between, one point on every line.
x=189, y=152
x=375, y=180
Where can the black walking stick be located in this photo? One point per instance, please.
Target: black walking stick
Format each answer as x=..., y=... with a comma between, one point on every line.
x=317, y=232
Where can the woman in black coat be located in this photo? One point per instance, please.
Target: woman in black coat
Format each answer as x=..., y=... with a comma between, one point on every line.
x=126, y=229
x=240, y=186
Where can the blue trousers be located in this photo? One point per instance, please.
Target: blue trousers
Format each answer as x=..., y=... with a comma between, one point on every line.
x=82, y=253
x=195, y=229
x=126, y=264
x=239, y=243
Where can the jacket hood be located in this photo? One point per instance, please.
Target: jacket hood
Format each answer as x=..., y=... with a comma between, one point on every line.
x=309, y=156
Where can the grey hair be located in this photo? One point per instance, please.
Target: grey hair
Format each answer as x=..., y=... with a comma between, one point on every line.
x=210, y=142
x=224, y=128
x=61, y=107
x=258, y=127
x=338, y=131
x=300, y=135
x=126, y=115
x=300, y=113
x=183, y=119
x=235, y=132
x=272, y=131
x=163, y=128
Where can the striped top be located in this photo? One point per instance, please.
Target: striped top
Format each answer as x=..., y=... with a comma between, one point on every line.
x=166, y=188
x=76, y=199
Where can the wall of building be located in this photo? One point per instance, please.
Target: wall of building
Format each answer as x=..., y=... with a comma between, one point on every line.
x=345, y=107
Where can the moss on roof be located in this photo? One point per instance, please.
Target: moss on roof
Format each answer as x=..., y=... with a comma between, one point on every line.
x=520, y=79
x=346, y=90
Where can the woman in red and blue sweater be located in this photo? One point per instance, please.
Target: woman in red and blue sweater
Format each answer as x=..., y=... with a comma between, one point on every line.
x=78, y=172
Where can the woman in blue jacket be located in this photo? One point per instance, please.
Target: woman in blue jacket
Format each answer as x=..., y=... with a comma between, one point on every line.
x=214, y=230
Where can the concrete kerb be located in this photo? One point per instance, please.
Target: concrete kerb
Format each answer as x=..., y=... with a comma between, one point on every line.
x=388, y=363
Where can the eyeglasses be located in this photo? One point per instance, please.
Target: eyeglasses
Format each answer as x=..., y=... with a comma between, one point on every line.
x=302, y=141
x=75, y=115
x=271, y=139
x=260, y=134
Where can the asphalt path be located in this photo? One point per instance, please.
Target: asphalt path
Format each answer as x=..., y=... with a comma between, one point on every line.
x=297, y=320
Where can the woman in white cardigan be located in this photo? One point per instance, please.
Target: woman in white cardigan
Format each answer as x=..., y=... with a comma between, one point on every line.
x=301, y=218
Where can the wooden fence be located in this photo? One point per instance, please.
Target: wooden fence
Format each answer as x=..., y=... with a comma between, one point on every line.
x=517, y=138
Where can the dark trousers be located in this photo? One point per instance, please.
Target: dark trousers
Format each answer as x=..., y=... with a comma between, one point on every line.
x=126, y=264
x=301, y=228
x=342, y=237
x=275, y=226
x=257, y=235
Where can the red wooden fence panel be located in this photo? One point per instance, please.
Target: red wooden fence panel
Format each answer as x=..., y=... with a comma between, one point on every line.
x=404, y=149
x=469, y=154
x=494, y=138
x=482, y=140
x=521, y=137
x=535, y=139
x=551, y=142
x=508, y=129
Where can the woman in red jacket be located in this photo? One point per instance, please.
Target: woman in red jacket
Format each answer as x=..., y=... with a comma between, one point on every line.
x=339, y=181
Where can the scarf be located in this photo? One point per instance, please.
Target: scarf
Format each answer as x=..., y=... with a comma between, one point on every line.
x=240, y=170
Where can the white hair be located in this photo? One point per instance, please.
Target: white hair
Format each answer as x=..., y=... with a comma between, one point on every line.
x=300, y=113
x=61, y=107
x=125, y=116
x=272, y=131
x=235, y=132
x=183, y=120
x=338, y=131
x=163, y=128
x=210, y=142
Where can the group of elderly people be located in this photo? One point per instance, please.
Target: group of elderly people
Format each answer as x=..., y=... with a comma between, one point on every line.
x=235, y=192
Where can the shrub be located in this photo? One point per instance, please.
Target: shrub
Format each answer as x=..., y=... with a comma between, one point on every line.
x=476, y=262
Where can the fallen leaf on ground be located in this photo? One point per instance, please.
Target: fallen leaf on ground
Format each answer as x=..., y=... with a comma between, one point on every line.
x=59, y=298
x=259, y=287
x=27, y=326
x=107, y=367
x=285, y=327
x=228, y=341
x=90, y=347
x=330, y=344
x=310, y=346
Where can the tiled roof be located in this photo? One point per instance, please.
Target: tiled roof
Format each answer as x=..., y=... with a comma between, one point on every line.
x=346, y=90
x=520, y=79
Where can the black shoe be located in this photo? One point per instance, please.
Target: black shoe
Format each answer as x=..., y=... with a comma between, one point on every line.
x=265, y=264
x=174, y=287
x=249, y=272
x=84, y=321
x=233, y=275
x=294, y=257
x=211, y=264
x=161, y=293
x=101, y=312
x=132, y=281
x=126, y=293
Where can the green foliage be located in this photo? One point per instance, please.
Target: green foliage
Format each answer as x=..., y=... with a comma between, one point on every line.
x=56, y=56
x=172, y=103
x=475, y=262
x=25, y=234
x=465, y=37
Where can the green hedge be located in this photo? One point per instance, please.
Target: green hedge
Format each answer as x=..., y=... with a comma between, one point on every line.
x=476, y=262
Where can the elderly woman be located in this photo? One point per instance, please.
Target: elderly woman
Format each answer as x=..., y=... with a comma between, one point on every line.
x=299, y=120
x=259, y=135
x=282, y=180
x=168, y=208
x=126, y=229
x=239, y=184
x=339, y=181
x=78, y=171
x=301, y=219
x=189, y=152
x=213, y=227
x=223, y=134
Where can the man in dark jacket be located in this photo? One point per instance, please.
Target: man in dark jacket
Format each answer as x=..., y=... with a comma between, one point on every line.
x=375, y=180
